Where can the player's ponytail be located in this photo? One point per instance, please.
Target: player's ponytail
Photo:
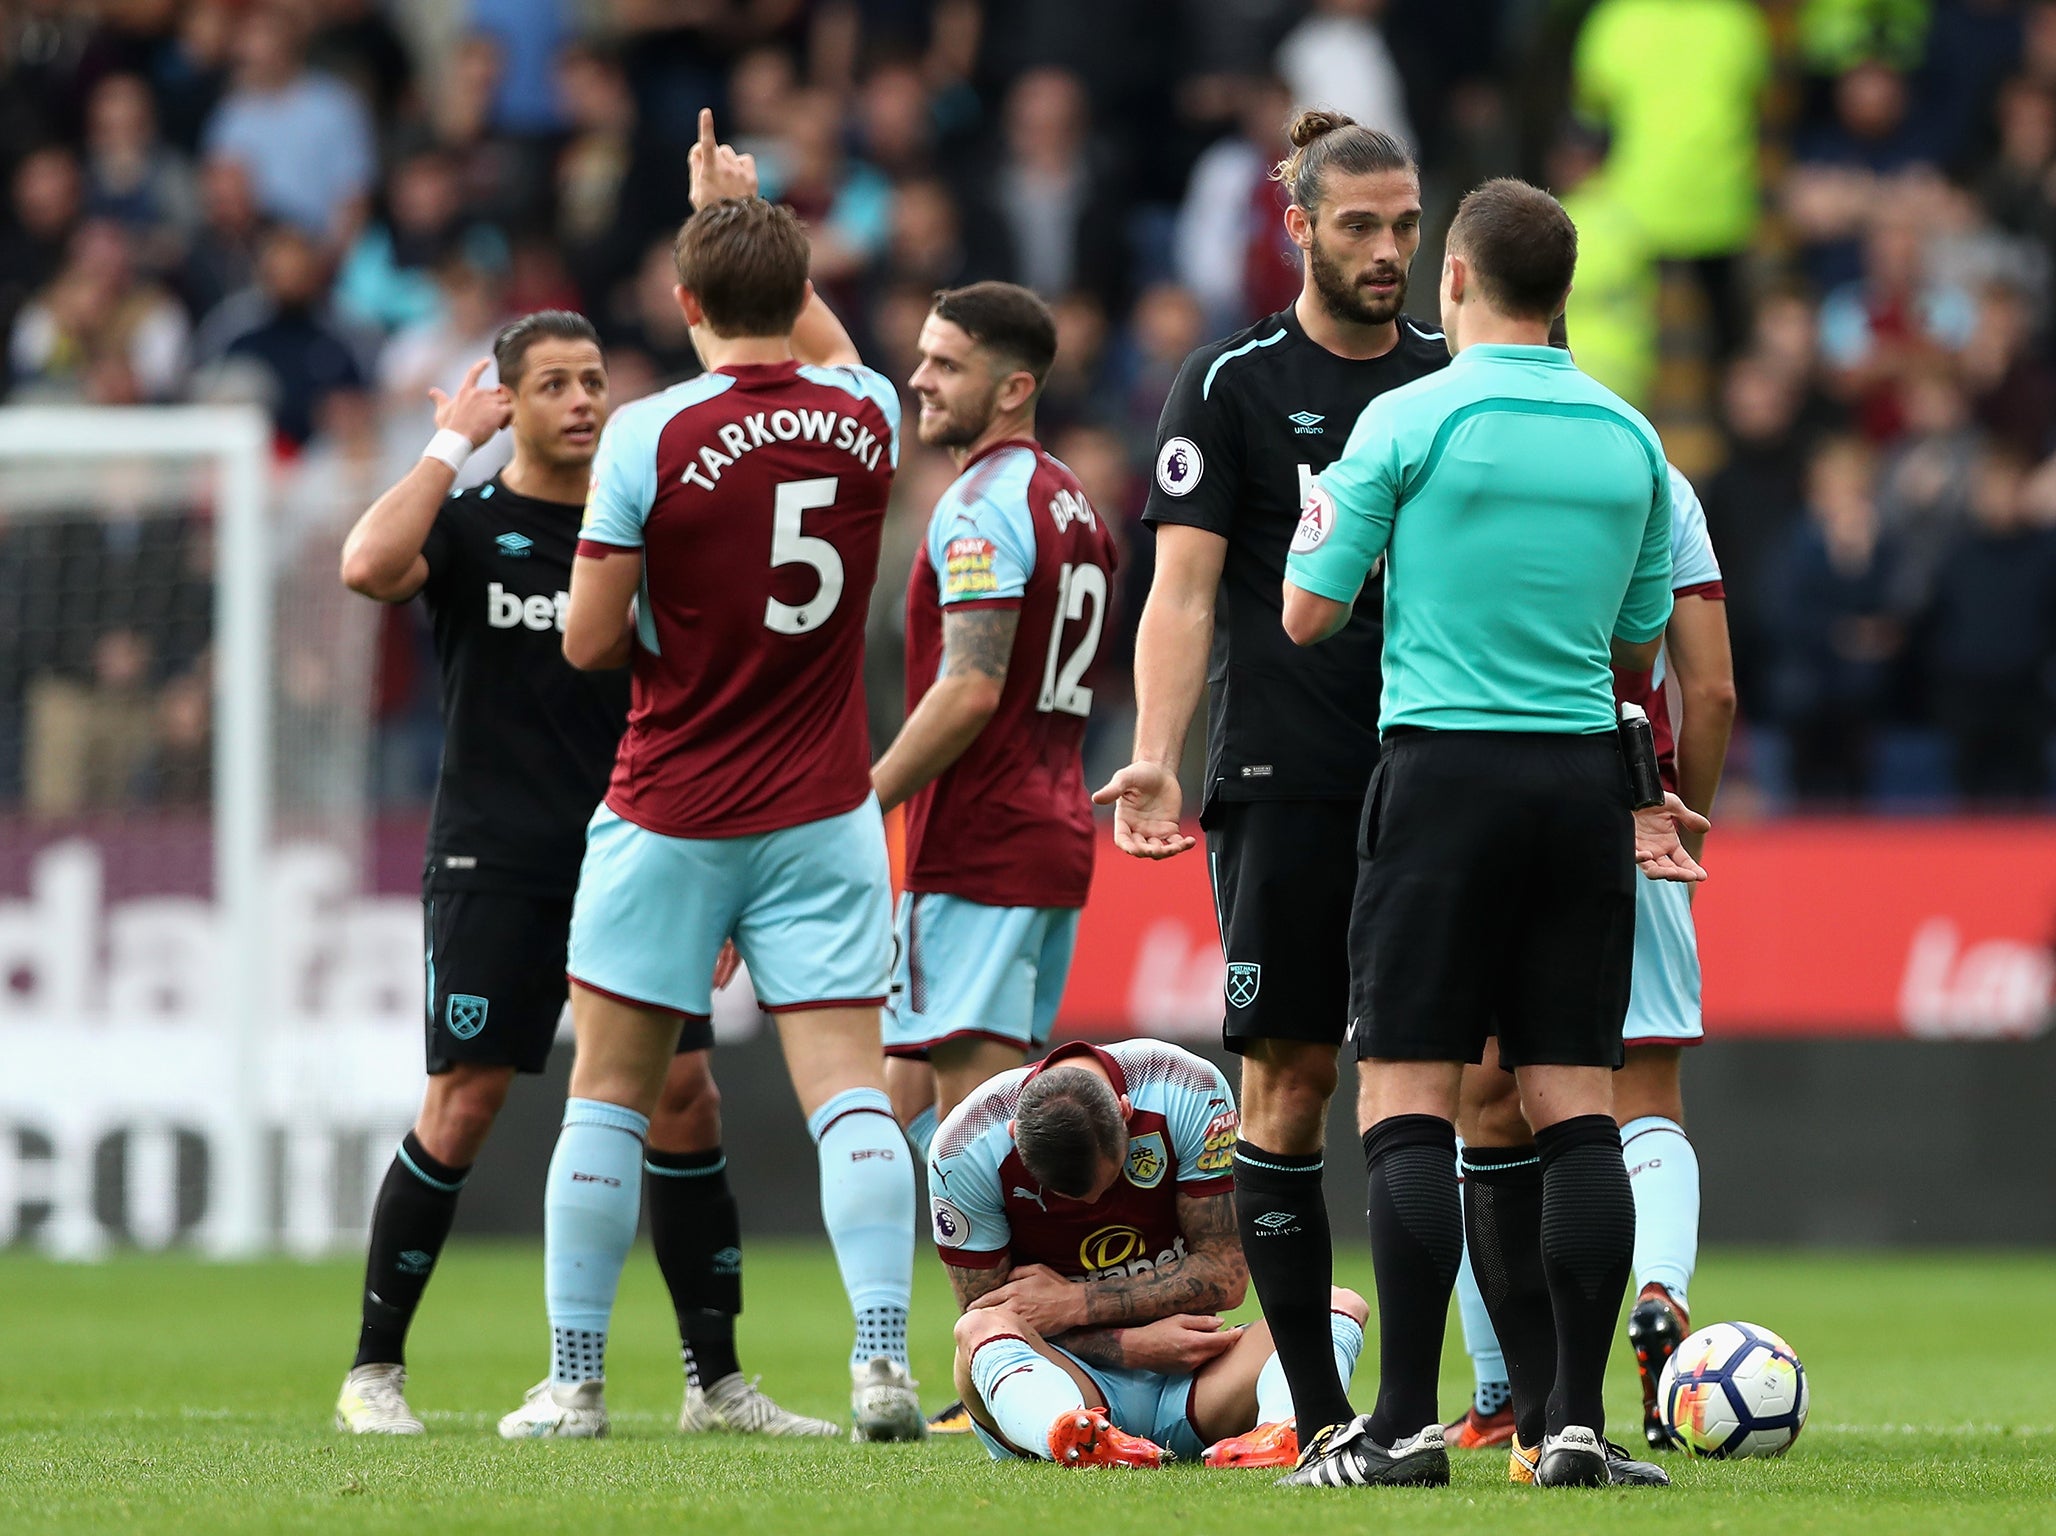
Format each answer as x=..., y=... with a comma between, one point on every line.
x=1323, y=140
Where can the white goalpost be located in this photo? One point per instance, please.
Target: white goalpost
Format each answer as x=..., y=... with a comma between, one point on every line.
x=195, y=1060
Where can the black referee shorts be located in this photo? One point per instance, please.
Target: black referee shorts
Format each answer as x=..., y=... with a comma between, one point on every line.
x=1497, y=896
x=496, y=982
x=1284, y=874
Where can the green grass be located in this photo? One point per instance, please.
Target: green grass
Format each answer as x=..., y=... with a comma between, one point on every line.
x=156, y=1395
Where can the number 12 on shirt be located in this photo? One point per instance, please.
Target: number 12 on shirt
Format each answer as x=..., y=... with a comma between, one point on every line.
x=1077, y=587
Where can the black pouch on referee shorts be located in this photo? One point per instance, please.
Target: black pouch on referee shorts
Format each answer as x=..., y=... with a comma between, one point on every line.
x=1374, y=799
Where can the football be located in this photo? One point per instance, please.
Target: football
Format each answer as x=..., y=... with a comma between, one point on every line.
x=1734, y=1390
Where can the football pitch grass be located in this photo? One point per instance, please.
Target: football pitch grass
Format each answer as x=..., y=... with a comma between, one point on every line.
x=171, y=1394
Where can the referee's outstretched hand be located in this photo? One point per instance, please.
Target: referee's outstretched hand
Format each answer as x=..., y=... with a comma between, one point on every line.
x=1146, y=801
x=1659, y=850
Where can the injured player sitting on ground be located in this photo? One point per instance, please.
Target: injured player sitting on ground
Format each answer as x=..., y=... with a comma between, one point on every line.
x=1085, y=1212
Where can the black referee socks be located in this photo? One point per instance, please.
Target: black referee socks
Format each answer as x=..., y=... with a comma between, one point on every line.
x=409, y=1223
x=1285, y=1238
x=1588, y=1245
x=1416, y=1221
x=1502, y=1208
x=697, y=1233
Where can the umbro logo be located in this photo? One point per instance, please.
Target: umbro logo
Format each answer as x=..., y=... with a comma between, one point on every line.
x=1306, y=422
x=1276, y=1223
x=515, y=546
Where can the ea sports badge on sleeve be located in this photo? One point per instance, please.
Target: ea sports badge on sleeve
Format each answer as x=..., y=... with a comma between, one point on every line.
x=1316, y=521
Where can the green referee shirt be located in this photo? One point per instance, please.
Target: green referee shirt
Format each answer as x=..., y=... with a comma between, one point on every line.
x=1523, y=511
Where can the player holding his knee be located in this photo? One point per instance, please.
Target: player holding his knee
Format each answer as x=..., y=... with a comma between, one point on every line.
x=1663, y=1017
x=527, y=747
x=729, y=548
x=1085, y=1213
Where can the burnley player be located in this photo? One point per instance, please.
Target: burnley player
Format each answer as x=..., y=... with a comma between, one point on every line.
x=527, y=746
x=729, y=549
x=1005, y=607
x=1084, y=1211
x=1663, y=1017
x=1291, y=736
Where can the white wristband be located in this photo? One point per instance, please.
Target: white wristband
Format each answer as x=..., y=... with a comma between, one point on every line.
x=451, y=447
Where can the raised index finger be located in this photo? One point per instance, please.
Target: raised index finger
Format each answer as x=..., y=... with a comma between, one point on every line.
x=708, y=143
x=477, y=372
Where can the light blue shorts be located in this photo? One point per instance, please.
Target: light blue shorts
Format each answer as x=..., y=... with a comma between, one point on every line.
x=1663, y=1003
x=966, y=971
x=1159, y=1408
x=809, y=907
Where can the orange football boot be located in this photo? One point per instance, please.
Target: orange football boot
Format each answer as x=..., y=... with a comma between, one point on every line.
x=1085, y=1437
x=1268, y=1445
x=1477, y=1431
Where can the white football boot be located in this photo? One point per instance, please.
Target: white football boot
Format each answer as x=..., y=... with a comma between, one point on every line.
x=734, y=1405
x=372, y=1402
x=884, y=1399
x=550, y=1412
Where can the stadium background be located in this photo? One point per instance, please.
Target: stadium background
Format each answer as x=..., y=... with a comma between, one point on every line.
x=1816, y=249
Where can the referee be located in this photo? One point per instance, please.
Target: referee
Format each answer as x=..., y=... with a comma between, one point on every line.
x=528, y=744
x=1291, y=735
x=1523, y=512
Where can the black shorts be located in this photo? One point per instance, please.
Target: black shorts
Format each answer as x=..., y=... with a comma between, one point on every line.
x=1497, y=896
x=495, y=984
x=1284, y=874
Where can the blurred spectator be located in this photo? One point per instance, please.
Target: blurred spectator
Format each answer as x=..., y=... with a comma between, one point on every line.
x=133, y=177
x=283, y=327
x=758, y=89
x=304, y=136
x=1231, y=247
x=188, y=75
x=925, y=244
x=653, y=324
x=1876, y=330
x=1839, y=633
x=98, y=331
x=1924, y=492
x=2010, y=377
x=436, y=353
x=1337, y=57
x=45, y=208
x=528, y=36
x=355, y=41
x=90, y=738
x=1073, y=392
x=1993, y=638
x=1754, y=502
x=1049, y=214
x=1167, y=325
x=499, y=178
x=388, y=279
x=1681, y=87
x=846, y=203
x=2019, y=187
x=181, y=751
x=222, y=256
x=1612, y=314
x=896, y=122
x=616, y=184
x=1848, y=168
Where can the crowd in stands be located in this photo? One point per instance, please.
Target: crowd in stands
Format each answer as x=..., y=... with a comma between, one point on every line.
x=1816, y=241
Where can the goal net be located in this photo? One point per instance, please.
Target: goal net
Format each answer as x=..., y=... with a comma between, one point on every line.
x=210, y=1019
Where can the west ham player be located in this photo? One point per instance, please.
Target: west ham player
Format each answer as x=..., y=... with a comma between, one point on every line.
x=1663, y=1016
x=1291, y=735
x=729, y=547
x=527, y=747
x=1005, y=606
x=1082, y=1207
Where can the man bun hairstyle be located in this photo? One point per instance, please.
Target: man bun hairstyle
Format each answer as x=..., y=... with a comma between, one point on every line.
x=1520, y=245
x=510, y=347
x=1324, y=140
x=746, y=261
x=1005, y=319
x=1067, y=1128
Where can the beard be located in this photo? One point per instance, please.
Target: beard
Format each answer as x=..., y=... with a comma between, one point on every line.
x=959, y=427
x=1343, y=299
